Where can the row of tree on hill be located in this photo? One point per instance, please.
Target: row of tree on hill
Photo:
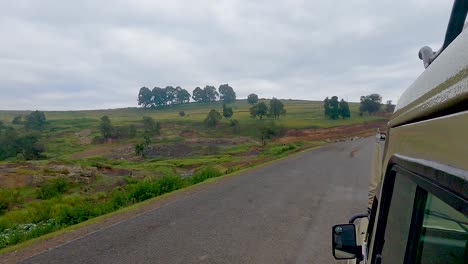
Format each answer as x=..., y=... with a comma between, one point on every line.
x=160, y=97
x=372, y=103
x=275, y=109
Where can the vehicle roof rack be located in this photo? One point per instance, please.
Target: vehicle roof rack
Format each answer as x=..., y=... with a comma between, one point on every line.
x=454, y=28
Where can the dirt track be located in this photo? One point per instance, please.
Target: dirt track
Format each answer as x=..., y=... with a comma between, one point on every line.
x=333, y=133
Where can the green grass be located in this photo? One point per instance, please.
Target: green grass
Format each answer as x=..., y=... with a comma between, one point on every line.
x=300, y=114
x=42, y=217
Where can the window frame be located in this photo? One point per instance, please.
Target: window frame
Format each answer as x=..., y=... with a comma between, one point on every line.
x=447, y=183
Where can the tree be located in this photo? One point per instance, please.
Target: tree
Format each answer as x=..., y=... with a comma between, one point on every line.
x=145, y=97
x=252, y=99
x=28, y=146
x=326, y=107
x=150, y=126
x=159, y=97
x=8, y=146
x=198, y=95
x=35, y=121
x=227, y=94
x=210, y=94
x=370, y=103
x=106, y=128
x=171, y=94
x=276, y=108
x=227, y=111
x=389, y=107
x=344, y=109
x=260, y=110
x=333, y=108
x=25, y=145
x=213, y=118
x=182, y=95
x=334, y=112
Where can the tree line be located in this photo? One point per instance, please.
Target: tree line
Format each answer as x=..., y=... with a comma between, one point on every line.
x=372, y=103
x=161, y=97
x=335, y=109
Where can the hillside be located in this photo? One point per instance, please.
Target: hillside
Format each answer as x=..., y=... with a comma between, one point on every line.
x=80, y=170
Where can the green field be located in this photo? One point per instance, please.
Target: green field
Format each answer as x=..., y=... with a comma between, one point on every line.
x=78, y=180
x=300, y=114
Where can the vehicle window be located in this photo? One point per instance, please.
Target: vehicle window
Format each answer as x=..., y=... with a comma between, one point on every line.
x=399, y=219
x=444, y=234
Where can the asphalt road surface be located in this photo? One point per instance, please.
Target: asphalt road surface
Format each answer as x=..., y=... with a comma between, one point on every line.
x=279, y=213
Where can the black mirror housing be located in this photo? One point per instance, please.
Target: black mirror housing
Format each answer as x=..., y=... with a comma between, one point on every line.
x=344, y=242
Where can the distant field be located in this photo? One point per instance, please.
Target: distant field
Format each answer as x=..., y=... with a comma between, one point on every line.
x=78, y=179
x=300, y=114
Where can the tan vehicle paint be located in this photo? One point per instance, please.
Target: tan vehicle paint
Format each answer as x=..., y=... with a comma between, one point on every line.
x=416, y=130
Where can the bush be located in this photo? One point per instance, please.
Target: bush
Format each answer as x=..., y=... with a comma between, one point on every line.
x=272, y=130
x=151, y=188
x=7, y=198
x=235, y=126
x=204, y=174
x=213, y=118
x=52, y=188
x=151, y=127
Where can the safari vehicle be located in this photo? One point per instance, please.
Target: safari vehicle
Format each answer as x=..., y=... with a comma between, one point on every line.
x=419, y=210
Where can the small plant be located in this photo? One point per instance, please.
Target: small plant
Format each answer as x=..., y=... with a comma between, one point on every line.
x=182, y=113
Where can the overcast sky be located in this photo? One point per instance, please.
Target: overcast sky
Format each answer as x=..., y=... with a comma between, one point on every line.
x=58, y=55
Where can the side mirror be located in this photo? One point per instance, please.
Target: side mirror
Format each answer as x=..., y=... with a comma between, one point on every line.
x=344, y=242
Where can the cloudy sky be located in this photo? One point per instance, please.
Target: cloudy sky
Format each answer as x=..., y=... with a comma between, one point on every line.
x=57, y=55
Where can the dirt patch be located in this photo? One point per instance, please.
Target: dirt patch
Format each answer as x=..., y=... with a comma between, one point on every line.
x=93, y=151
x=84, y=137
x=187, y=134
x=333, y=133
x=32, y=175
x=115, y=172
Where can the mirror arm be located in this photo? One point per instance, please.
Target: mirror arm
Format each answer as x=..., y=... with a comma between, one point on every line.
x=359, y=256
x=354, y=217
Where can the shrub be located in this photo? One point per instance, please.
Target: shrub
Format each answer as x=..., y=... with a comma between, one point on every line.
x=213, y=118
x=53, y=188
x=140, y=149
x=151, y=188
x=235, y=126
x=204, y=174
x=7, y=198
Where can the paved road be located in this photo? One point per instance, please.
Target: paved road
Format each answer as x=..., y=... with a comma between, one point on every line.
x=279, y=213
